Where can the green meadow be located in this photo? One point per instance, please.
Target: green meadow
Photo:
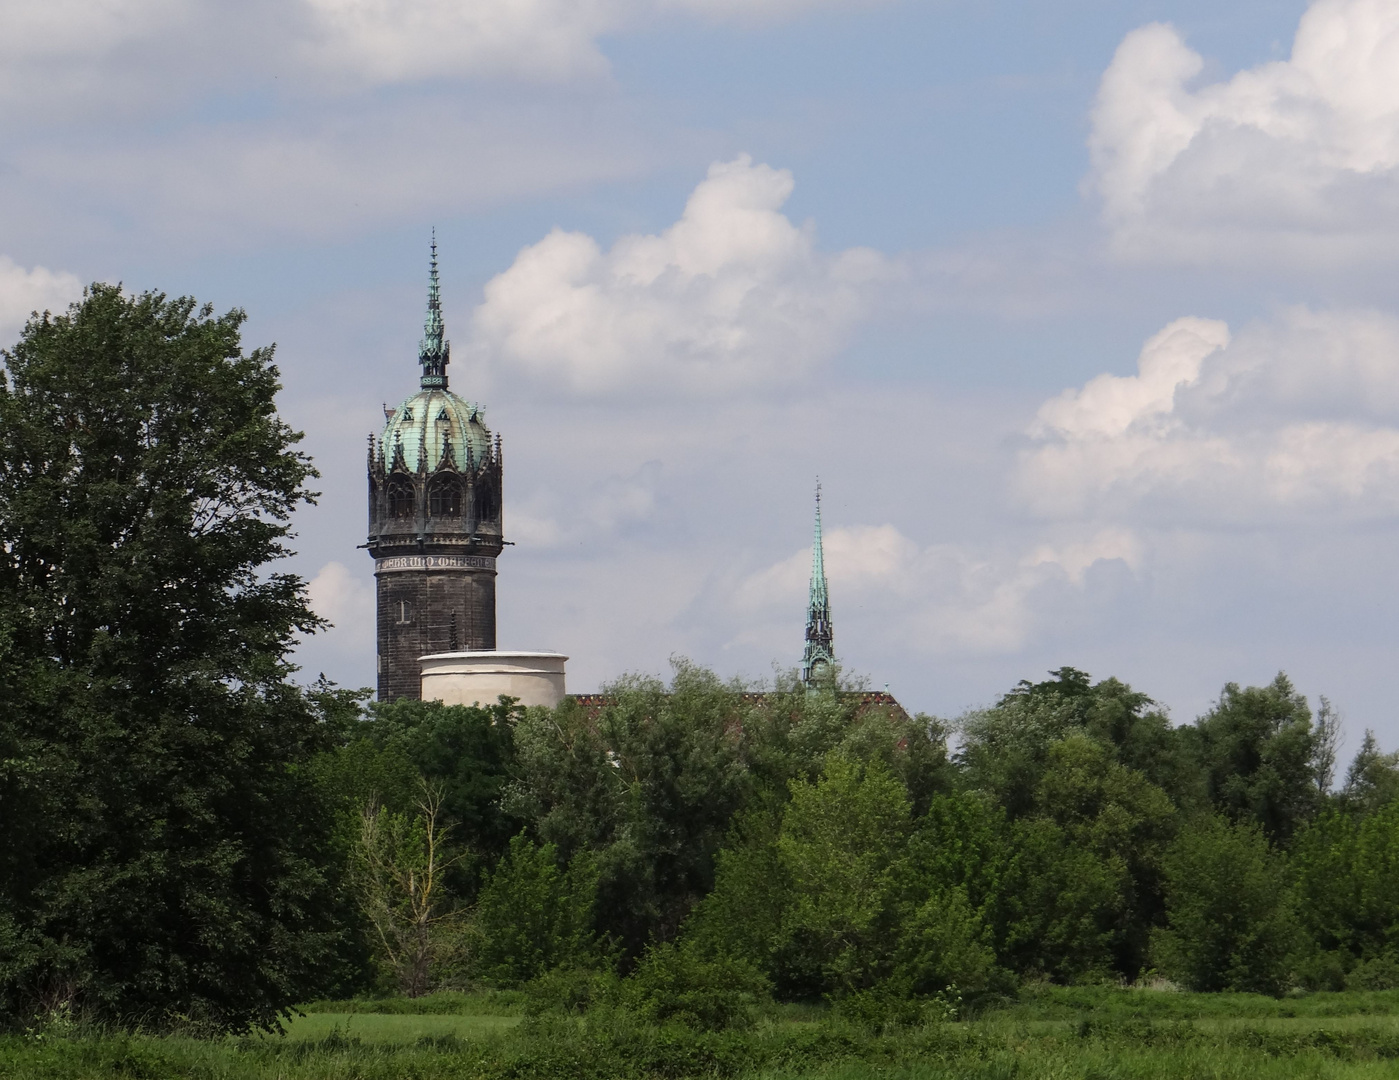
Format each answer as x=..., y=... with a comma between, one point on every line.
x=1097, y=1033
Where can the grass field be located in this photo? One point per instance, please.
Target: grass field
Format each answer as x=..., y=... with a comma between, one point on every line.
x=1065, y=1034
x=392, y=1027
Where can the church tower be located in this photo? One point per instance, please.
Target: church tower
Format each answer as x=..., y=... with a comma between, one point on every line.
x=434, y=519
x=818, y=659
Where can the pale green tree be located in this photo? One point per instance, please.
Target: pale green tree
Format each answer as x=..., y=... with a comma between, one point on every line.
x=401, y=863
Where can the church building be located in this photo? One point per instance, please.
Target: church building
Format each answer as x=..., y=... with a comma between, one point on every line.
x=436, y=529
x=435, y=519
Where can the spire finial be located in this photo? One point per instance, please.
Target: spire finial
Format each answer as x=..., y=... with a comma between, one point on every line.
x=818, y=659
x=434, y=350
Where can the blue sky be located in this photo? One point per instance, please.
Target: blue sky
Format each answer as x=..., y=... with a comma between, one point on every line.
x=1085, y=313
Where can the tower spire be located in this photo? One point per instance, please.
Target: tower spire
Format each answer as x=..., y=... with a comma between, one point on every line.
x=434, y=349
x=818, y=659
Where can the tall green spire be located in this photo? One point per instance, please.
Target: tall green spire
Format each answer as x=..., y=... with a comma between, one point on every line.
x=818, y=659
x=434, y=349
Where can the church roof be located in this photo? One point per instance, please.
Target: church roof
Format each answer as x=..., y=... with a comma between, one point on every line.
x=434, y=426
x=431, y=425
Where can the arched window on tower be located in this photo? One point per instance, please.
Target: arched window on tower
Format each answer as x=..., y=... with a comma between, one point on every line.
x=485, y=502
x=444, y=497
x=400, y=497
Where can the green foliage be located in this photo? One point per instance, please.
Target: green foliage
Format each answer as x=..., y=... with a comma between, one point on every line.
x=571, y=991
x=649, y=783
x=1005, y=749
x=1257, y=750
x=1230, y=911
x=653, y=781
x=1084, y=885
x=1347, y=872
x=400, y=869
x=943, y=943
x=742, y=916
x=465, y=752
x=442, y=1003
x=363, y=771
x=533, y=917
x=840, y=843
x=1094, y=1032
x=838, y=895
x=677, y=984
x=164, y=851
x=1372, y=782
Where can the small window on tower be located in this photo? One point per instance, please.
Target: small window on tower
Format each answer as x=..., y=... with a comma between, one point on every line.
x=400, y=498
x=444, y=498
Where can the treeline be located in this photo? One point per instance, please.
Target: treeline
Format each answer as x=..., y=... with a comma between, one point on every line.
x=811, y=845
x=188, y=836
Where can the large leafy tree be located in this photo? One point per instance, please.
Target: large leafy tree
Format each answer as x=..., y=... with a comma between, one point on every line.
x=1006, y=749
x=653, y=778
x=1347, y=872
x=1232, y=921
x=840, y=891
x=1083, y=888
x=163, y=851
x=1258, y=756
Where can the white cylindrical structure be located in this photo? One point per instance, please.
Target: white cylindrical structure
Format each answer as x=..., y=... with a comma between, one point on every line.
x=479, y=678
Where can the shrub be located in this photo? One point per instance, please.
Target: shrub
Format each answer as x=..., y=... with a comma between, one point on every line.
x=1379, y=973
x=570, y=990
x=676, y=984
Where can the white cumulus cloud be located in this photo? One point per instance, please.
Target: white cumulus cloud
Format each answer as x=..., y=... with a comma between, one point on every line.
x=80, y=48
x=341, y=596
x=940, y=598
x=409, y=40
x=733, y=294
x=1290, y=420
x=25, y=291
x=1296, y=158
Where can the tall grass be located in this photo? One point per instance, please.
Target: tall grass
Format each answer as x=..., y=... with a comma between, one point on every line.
x=1060, y=1033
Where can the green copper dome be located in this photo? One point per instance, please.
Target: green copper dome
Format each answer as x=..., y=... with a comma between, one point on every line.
x=434, y=423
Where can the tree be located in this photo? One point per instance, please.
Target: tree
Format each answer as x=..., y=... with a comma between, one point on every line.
x=831, y=894
x=164, y=851
x=1328, y=738
x=533, y=917
x=1005, y=749
x=1347, y=871
x=466, y=752
x=400, y=864
x=653, y=779
x=1231, y=918
x=1372, y=781
x=840, y=846
x=649, y=783
x=1258, y=752
x=1083, y=889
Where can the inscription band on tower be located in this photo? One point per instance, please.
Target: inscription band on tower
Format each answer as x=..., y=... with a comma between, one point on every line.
x=434, y=562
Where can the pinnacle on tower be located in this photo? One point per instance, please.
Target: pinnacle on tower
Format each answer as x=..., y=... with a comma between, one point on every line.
x=818, y=659
x=434, y=349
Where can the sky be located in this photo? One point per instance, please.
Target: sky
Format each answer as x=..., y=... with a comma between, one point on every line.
x=1084, y=313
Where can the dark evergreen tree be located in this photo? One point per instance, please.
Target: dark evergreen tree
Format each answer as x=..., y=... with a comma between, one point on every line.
x=163, y=850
